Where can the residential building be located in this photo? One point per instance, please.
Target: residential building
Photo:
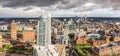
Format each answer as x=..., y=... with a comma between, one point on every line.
x=99, y=40
x=80, y=34
x=28, y=28
x=108, y=49
x=13, y=30
x=29, y=35
x=81, y=40
x=44, y=30
x=1, y=40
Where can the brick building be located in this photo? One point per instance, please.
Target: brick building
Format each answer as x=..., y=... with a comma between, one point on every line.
x=103, y=40
x=60, y=27
x=28, y=35
x=88, y=29
x=81, y=34
x=93, y=39
x=107, y=49
x=13, y=30
x=0, y=40
x=115, y=39
x=80, y=38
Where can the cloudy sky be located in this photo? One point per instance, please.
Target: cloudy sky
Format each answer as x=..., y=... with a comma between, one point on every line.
x=34, y=8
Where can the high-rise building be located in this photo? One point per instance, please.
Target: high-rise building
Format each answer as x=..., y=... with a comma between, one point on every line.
x=85, y=17
x=1, y=40
x=81, y=19
x=13, y=30
x=44, y=30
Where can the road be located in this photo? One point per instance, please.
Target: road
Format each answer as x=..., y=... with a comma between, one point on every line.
x=71, y=49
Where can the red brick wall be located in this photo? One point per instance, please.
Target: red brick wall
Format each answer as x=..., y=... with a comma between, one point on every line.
x=0, y=40
x=13, y=30
x=28, y=35
x=81, y=41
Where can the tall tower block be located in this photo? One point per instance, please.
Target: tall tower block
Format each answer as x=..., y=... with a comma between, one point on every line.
x=85, y=18
x=13, y=30
x=44, y=30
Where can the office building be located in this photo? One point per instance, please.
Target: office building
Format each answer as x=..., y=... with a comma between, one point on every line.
x=70, y=21
x=3, y=27
x=72, y=27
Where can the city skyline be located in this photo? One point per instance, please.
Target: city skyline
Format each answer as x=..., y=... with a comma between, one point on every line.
x=92, y=8
x=60, y=36
x=59, y=28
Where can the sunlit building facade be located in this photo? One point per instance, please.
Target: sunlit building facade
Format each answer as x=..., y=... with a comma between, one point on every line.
x=28, y=35
x=13, y=30
x=0, y=40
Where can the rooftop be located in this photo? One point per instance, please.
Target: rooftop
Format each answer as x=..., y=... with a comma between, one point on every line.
x=50, y=50
x=108, y=45
x=81, y=32
x=93, y=36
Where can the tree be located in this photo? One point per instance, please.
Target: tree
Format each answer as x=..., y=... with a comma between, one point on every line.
x=7, y=46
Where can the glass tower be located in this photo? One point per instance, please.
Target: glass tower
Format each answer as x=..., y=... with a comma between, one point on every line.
x=44, y=30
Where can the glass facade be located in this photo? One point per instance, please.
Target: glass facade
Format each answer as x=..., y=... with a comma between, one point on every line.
x=44, y=31
x=41, y=33
x=72, y=27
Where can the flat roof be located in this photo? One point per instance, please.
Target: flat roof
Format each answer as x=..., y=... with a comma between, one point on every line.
x=81, y=32
x=106, y=45
x=50, y=50
x=93, y=36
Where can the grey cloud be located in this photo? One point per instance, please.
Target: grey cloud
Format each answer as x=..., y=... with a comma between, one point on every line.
x=64, y=4
x=24, y=3
x=83, y=9
x=61, y=4
x=68, y=4
x=28, y=8
x=108, y=3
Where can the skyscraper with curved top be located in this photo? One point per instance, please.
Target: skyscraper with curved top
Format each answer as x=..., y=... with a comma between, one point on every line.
x=44, y=30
